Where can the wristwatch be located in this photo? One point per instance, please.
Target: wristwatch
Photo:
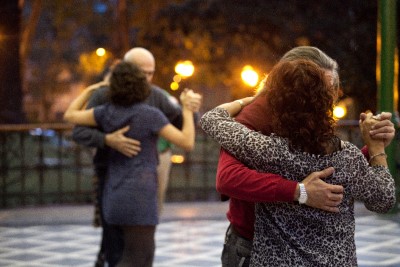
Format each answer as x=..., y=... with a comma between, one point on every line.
x=303, y=194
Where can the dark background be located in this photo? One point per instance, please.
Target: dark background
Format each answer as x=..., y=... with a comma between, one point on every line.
x=47, y=47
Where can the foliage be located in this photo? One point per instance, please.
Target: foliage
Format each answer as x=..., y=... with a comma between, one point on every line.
x=224, y=35
x=218, y=36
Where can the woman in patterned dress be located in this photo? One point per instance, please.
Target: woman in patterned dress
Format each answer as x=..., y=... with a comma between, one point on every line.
x=299, y=98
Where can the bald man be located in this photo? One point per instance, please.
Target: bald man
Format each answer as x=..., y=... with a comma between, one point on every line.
x=112, y=240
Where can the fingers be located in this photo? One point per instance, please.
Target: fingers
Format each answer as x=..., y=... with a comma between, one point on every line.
x=130, y=147
x=385, y=126
x=131, y=150
x=363, y=116
x=383, y=130
x=322, y=195
x=330, y=209
x=386, y=116
x=195, y=103
x=132, y=142
x=125, y=145
x=326, y=201
x=191, y=100
x=123, y=130
x=336, y=189
x=325, y=173
x=335, y=198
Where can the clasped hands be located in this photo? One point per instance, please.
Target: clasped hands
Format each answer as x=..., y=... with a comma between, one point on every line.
x=321, y=195
x=377, y=128
x=191, y=100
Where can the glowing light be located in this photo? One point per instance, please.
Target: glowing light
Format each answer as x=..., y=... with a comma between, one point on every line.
x=249, y=76
x=174, y=86
x=177, y=159
x=339, y=112
x=100, y=52
x=261, y=85
x=184, y=68
x=177, y=78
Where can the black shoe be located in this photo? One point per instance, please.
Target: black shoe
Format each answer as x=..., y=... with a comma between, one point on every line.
x=100, y=260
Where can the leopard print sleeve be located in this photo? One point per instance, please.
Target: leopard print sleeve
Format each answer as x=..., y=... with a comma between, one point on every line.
x=248, y=146
x=373, y=185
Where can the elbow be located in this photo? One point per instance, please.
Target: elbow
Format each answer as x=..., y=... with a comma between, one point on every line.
x=67, y=116
x=188, y=143
x=382, y=207
x=390, y=205
x=221, y=185
x=188, y=147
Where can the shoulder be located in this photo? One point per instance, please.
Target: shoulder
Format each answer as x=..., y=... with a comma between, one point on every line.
x=99, y=97
x=152, y=115
x=157, y=96
x=157, y=90
x=161, y=99
x=350, y=148
x=147, y=109
x=102, y=91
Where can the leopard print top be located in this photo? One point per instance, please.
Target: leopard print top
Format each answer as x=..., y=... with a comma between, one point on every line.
x=289, y=234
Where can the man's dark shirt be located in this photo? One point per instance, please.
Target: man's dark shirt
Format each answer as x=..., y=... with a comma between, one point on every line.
x=94, y=137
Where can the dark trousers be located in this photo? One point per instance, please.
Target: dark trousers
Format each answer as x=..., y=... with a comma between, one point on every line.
x=112, y=239
x=237, y=250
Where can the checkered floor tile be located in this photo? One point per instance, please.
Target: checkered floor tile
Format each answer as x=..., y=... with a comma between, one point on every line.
x=185, y=243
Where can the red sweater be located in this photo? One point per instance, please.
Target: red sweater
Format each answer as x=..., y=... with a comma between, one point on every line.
x=245, y=186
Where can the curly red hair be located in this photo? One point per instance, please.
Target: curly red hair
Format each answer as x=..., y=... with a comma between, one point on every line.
x=300, y=102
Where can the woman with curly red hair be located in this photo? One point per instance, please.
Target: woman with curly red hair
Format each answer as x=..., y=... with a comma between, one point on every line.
x=298, y=98
x=299, y=102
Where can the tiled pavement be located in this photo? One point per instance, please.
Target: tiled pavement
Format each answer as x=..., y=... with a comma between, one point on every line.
x=189, y=235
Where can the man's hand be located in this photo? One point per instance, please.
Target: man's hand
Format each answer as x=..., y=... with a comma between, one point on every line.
x=320, y=194
x=125, y=145
x=384, y=129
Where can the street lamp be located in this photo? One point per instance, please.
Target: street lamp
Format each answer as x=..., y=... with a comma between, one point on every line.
x=100, y=52
x=339, y=112
x=184, y=68
x=249, y=76
x=93, y=63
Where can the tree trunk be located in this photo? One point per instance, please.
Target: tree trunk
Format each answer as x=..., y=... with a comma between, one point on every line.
x=123, y=27
x=10, y=77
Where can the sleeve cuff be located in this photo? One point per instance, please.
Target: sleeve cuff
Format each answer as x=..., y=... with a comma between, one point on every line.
x=285, y=190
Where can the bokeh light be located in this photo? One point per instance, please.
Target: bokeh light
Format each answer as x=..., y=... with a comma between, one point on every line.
x=249, y=76
x=339, y=112
x=184, y=68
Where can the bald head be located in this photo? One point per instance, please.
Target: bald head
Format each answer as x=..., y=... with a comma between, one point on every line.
x=142, y=58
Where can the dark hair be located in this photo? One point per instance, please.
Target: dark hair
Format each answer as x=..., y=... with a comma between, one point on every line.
x=299, y=102
x=128, y=85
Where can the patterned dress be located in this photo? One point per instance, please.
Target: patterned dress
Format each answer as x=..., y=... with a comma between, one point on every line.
x=289, y=234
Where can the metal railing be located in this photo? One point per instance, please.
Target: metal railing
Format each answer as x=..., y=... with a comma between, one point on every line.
x=41, y=165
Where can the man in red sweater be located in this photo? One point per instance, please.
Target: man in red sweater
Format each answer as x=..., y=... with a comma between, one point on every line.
x=244, y=187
